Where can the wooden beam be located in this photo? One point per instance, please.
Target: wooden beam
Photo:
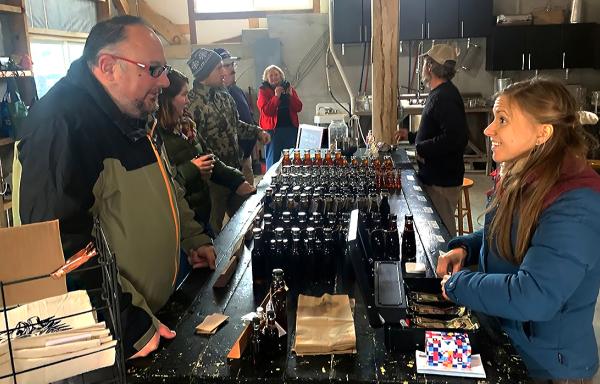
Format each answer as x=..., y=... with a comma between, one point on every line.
x=183, y=29
x=103, y=9
x=122, y=6
x=55, y=33
x=192, y=17
x=161, y=24
x=5, y=8
x=385, y=69
x=253, y=23
x=246, y=15
x=316, y=6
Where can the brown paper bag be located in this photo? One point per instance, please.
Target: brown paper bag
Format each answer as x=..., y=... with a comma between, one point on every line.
x=324, y=325
x=27, y=251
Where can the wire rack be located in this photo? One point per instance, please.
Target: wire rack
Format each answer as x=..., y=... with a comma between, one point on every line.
x=105, y=304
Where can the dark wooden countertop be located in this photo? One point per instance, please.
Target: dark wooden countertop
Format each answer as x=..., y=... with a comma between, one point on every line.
x=190, y=358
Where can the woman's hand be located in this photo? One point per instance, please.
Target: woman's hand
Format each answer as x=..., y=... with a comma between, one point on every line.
x=452, y=262
x=205, y=164
x=443, y=283
x=279, y=91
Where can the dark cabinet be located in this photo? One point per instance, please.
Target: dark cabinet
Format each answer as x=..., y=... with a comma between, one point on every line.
x=575, y=38
x=351, y=21
x=412, y=20
x=445, y=19
x=541, y=47
x=506, y=49
x=544, y=47
x=475, y=17
x=442, y=19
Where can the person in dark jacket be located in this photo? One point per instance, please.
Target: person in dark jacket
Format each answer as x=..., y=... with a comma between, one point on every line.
x=539, y=265
x=279, y=105
x=189, y=153
x=442, y=135
x=87, y=151
x=246, y=145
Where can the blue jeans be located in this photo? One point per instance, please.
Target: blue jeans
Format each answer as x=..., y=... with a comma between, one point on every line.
x=281, y=138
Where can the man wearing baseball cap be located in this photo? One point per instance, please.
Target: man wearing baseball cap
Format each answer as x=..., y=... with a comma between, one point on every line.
x=442, y=136
x=218, y=122
x=229, y=67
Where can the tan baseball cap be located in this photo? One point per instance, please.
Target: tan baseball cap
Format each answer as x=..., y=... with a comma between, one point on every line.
x=441, y=53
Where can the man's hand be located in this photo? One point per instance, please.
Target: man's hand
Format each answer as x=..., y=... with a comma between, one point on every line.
x=279, y=91
x=205, y=164
x=152, y=345
x=202, y=257
x=401, y=135
x=264, y=137
x=245, y=189
x=451, y=262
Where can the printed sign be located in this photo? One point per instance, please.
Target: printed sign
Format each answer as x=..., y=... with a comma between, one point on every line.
x=309, y=136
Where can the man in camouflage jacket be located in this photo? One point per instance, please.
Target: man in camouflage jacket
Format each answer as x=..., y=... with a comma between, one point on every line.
x=217, y=121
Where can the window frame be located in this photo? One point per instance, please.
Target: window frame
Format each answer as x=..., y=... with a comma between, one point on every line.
x=197, y=16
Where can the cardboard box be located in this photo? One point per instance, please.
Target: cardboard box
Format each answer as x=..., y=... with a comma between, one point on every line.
x=29, y=251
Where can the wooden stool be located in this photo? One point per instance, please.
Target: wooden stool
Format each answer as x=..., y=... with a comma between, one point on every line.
x=464, y=210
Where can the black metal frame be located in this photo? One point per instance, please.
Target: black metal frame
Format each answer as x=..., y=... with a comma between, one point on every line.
x=108, y=293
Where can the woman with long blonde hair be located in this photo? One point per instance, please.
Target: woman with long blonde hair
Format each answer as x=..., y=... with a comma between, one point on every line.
x=539, y=269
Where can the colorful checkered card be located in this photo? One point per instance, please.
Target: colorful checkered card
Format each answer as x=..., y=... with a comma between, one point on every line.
x=448, y=349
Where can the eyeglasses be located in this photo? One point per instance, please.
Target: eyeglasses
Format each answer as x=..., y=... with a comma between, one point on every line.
x=154, y=70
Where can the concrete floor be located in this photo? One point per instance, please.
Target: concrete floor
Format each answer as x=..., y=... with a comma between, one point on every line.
x=477, y=195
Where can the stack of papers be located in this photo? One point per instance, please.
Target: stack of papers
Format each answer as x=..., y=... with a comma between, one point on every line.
x=475, y=371
x=40, y=335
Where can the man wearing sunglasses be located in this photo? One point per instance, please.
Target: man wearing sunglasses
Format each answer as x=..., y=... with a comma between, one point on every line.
x=89, y=150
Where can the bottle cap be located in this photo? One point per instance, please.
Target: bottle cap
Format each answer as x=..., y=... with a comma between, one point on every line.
x=278, y=272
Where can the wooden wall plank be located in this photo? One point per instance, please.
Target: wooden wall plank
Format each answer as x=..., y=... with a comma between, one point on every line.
x=385, y=69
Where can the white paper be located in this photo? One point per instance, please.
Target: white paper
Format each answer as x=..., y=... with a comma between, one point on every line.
x=417, y=188
x=410, y=177
x=421, y=198
x=475, y=371
x=427, y=210
x=433, y=224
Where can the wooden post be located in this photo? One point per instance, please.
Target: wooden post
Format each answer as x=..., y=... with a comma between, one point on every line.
x=384, y=45
x=103, y=10
x=192, y=23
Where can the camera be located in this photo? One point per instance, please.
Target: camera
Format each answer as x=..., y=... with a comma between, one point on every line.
x=285, y=84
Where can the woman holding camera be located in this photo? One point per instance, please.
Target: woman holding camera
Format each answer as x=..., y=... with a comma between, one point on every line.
x=279, y=105
x=189, y=154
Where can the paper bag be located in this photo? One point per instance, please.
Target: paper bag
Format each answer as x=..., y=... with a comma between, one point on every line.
x=43, y=316
x=27, y=251
x=324, y=325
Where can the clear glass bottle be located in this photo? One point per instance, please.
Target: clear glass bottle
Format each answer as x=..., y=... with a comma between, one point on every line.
x=337, y=132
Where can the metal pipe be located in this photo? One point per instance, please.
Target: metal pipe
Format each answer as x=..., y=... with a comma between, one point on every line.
x=337, y=61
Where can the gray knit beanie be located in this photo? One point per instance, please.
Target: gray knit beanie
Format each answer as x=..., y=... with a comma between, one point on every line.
x=202, y=62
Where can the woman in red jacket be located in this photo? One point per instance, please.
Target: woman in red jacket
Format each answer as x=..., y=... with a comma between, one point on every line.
x=279, y=105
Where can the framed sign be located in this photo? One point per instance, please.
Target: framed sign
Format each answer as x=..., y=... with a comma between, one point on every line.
x=309, y=136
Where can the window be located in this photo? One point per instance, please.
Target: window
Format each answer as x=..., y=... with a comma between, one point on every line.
x=224, y=6
x=51, y=60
